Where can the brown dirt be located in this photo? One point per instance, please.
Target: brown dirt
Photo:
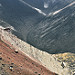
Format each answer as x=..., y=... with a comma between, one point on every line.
x=20, y=63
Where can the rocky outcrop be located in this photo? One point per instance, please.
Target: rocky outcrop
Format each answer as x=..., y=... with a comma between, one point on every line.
x=62, y=64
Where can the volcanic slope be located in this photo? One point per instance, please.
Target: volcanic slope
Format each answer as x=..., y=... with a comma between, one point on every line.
x=17, y=63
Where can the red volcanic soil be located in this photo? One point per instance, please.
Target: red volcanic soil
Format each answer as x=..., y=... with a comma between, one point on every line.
x=17, y=63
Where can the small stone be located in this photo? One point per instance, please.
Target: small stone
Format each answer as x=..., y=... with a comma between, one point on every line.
x=35, y=72
x=63, y=64
x=11, y=68
x=3, y=65
x=12, y=63
x=21, y=66
x=16, y=51
x=0, y=58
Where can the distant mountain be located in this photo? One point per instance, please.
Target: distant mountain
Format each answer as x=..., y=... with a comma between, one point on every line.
x=46, y=24
x=56, y=33
x=52, y=5
x=19, y=15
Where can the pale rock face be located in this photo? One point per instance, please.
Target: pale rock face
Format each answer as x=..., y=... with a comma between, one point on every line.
x=62, y=64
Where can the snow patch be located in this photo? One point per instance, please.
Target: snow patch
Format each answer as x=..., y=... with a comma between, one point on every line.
x=38, y=10
x=46, y=5
x=58, y=11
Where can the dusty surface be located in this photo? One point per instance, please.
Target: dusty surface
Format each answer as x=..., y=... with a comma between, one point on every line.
x=20, y=63
x=62, y=64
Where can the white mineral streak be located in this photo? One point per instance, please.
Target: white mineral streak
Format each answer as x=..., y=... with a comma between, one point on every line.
x=58, y=11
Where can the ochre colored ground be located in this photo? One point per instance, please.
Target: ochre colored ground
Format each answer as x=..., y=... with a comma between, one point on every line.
x=20, y=63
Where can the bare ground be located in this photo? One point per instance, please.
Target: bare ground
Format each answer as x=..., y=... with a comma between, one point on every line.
x=17, y=63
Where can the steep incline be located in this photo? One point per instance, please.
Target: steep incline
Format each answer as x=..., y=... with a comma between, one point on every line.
x=17, y=63
x=62, y=64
